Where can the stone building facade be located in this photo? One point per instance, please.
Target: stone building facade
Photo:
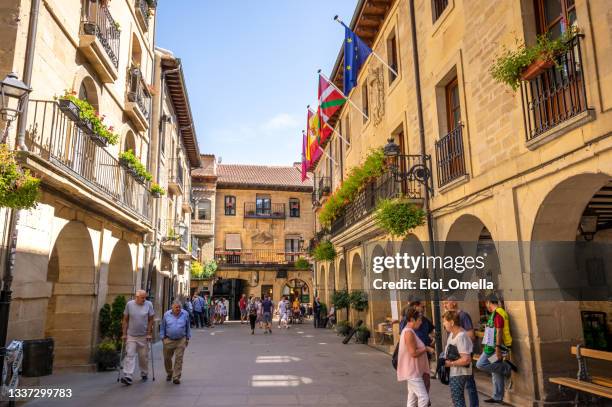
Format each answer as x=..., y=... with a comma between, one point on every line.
x=83, y=243
x=529, y=166
x=263, y=217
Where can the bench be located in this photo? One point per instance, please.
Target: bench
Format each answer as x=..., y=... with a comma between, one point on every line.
x=598, y=386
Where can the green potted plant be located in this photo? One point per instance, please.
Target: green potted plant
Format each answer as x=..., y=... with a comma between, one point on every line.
x=157, y=191
x=18, y=189
x=210, y=268
x=341, y=299
x=132, y=164
x=324, y=251
x=343, y=327
x=527, y=62
x=362, y=334
x=359, y=300
x=398, y=216
x=106, y=356
x=302, y=264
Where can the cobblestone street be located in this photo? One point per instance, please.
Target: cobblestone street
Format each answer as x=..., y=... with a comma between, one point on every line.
x=226, y=366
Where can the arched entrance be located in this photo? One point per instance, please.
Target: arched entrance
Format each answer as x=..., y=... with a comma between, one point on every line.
x=321, y=284
x=356, y=284
x=120, y=272
x=70, y=317
x=331, y=283
x=297, y=288
x=379, y=300
x=571, y=232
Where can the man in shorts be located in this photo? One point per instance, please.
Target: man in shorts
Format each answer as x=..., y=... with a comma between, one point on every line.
x=268, y=307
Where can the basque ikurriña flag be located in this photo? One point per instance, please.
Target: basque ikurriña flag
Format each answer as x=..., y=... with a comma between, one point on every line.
x=355, y=53
x=330, y=99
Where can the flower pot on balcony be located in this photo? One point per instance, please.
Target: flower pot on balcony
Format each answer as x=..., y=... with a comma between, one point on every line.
x=85, y=126
x=99, y=140
x=90, y=28
x=125, y=164
x=156, y=194
x=70, y=109
x=140, y=179
x=536, y=68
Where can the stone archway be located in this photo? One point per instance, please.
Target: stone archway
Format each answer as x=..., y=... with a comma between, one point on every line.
x=562, y=253
x=412, y=246
x=120, y=272
x=379, y=300
x=356, y=283
x=69, y=320
x=331, y=283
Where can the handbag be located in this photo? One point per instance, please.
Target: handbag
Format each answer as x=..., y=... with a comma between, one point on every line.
x=395, y=356
x=443, y=372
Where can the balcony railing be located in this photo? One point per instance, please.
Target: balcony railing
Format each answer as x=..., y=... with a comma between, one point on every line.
x=557, y=94
x=138, y=92
x=450, y=157
x=256, y=256
x=55, y=137
x=142, y=7
x=99, y=22
x=265, y=211
x=323, y=187
x=173, y=237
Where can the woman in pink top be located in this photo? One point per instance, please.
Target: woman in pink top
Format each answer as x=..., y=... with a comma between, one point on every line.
x=412, y=361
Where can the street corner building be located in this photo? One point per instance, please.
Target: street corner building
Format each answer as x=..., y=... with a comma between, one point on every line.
x=529, y=165
x=262, y=224
x=108, y=130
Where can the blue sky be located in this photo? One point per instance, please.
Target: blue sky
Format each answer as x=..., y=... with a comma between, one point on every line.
x=250, y=68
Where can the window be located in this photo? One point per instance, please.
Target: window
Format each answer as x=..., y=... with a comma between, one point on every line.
x=233, y=241
x=293, y=246
x=437, y=8
x=263, y=204
x=204, y=210
x=392, y=58
x=365, y=106
x=453, y=108
x=294, y=208
x=230, y=205
x=554, y=16
x=346, y=127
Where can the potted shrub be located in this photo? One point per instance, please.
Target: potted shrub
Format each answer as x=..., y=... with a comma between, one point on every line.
x=132, y=164
x=18, y=189
x=157, y=191
x=359, y=300
x=343, y=327
x=398, y=216
x=362, y=334
x=341, y=299
x=209, y=269
x=526, y=63
x=324, y=251
x=106, y=356
x=302, y=264
x=68, y=106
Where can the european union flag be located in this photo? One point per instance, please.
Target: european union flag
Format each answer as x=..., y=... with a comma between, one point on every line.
x=355, y=53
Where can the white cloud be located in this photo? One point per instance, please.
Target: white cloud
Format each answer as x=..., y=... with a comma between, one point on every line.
x=280, y=122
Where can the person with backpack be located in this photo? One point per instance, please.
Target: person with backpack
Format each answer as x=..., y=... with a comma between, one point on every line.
x=496, y=346
x=251, y=310
x=458, y=357
x=267, y=306
x=412, y=362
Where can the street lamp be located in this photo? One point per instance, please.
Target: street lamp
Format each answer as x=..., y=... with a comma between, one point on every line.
x=419, y=172
x=12, y=92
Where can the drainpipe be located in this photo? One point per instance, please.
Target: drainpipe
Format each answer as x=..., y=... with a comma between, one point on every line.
x=426, y=208
x=27, y=71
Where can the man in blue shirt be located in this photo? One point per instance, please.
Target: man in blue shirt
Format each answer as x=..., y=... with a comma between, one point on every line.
x=198, y=311
x=175, y=332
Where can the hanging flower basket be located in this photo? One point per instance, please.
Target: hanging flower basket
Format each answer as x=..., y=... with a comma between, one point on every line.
x=99, y=140
x=85, y=126
x=18, y=189
x=70, y=109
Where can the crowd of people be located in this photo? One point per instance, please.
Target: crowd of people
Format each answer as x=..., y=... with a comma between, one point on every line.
x=455, y=361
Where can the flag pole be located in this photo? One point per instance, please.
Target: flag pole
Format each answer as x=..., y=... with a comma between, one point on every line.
x=343, y=95
x=336, y=132
x=382, y=61
x=323, y=151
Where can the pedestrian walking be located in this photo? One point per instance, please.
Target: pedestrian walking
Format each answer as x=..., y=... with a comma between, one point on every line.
x=260, y=313
x=252, y=314
x=317, y=312
x=458, y=357
x=222, y=311
x=207, y=311
x=465, y=321
x=198, y=311
x=242, y=305
x=175, y=332
x=496, y=346
x=137, y=329
x=188, y=306
x=412, y=360
x=424, y=332
x=267, y=306
x=282, y=312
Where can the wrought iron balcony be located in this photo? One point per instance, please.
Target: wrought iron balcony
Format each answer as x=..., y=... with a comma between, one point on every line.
x=143, y=11
x=264, y=211
x=173, y=239
x=450, y=157
x=557, y=94
x=59, y=140
x=384, y=187
x=138, y=99
x=323, y=187
x=254, y=257
x=176, y=180
x=100, y=39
